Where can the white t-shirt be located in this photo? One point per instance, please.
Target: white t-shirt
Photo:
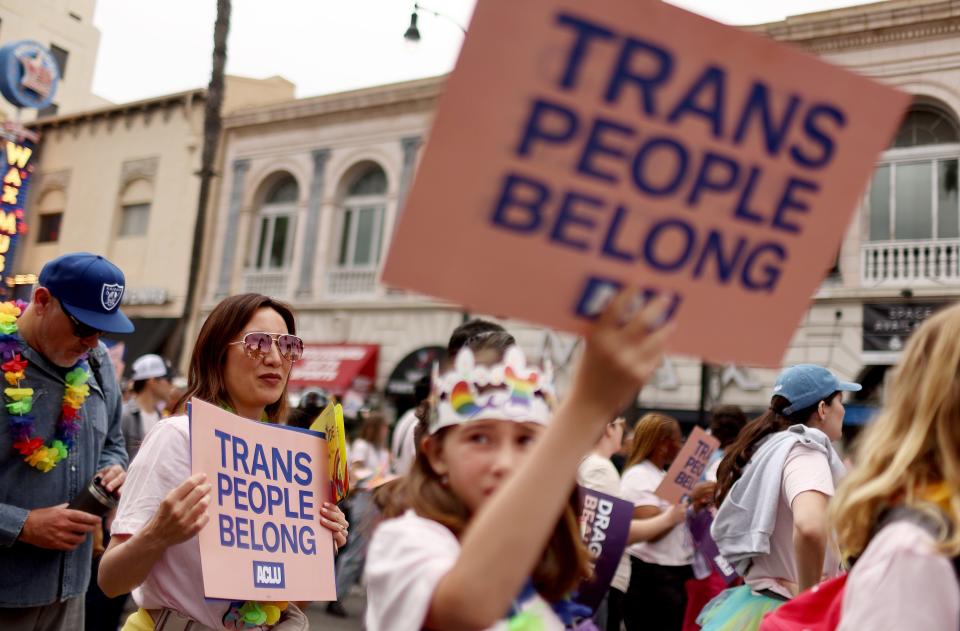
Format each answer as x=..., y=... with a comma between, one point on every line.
x=148, y=418
x=176, y=580
x=405, y=562
x=676, y=547
x=403, y=446
x=805, y=470
x=374, y=459
x=901, y=582
x=598, y=473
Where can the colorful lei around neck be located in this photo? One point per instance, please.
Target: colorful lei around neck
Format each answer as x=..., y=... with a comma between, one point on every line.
x=19, y=400
x=253, y=614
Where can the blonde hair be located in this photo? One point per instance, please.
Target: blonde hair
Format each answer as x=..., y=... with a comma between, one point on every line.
x=650, y=430
x=913, y=443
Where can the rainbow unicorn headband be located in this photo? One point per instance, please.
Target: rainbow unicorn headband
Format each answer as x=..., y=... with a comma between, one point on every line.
x=506, y=391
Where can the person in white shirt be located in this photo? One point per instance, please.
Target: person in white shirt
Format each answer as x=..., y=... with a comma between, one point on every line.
x=403, y=448
x=491, y=529
x=151, y=387
x=369, y=464
x=908, y=458
x=656, y=597
x=597, y=472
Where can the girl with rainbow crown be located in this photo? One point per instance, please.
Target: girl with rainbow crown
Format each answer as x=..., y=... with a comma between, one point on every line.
x=490, y=539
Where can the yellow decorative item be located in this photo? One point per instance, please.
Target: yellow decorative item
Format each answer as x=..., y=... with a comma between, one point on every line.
x=273, y=614
x=18, y=393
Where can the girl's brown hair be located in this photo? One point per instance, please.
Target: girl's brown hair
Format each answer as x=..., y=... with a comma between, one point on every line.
x=650, y=431
x=223, y=326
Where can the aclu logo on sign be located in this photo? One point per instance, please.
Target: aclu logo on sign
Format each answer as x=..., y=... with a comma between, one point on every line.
x=267, y=574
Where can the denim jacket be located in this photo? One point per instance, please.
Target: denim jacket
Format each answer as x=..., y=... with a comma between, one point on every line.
x=31, y=576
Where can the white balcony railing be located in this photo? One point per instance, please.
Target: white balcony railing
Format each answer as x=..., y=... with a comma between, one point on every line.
x=273, y=283
x=899, y=262
x=352, y=283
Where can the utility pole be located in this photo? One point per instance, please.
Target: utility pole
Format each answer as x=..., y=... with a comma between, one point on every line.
x=212, y=124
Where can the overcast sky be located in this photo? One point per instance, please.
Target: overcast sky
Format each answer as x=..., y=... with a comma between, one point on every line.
x=152, y=48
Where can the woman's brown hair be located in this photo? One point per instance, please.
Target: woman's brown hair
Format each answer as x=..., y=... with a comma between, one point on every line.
x=650, y=431
x=741, y=451
x=224, y=324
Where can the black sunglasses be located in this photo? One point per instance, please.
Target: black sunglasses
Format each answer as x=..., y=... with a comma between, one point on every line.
x=80, y=329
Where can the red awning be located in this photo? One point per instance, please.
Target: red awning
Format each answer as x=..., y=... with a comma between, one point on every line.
x=336, y=368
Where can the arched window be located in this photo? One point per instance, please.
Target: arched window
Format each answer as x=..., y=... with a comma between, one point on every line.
x=926, y=125
x=361, y=220
x=135, y=201
x=50, y=216
x=913, y=196
x=273, y=238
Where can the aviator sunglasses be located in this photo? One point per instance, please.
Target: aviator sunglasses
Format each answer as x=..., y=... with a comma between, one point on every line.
x=257, y=345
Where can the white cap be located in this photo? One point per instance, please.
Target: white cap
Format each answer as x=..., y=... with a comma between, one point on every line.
x=149, y=367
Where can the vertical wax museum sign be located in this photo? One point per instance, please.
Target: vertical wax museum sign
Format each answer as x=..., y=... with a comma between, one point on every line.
x=580, y=147
x=264, y=540
x=17, y=165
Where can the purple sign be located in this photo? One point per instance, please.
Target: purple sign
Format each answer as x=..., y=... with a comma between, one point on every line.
x=699, y=524
x=605, y=525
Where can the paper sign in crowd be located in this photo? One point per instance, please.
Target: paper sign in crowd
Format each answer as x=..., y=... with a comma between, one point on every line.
x=264, y=540
x=632, y=143
x=688, y=467
x=605, y=525
x=698, y=523
x=330, y=422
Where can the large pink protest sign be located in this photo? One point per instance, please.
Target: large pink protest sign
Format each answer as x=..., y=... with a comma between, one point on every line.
x=583, y=146
x=264, y=540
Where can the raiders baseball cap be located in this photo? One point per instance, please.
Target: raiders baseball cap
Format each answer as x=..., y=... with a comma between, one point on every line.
x=90, y=288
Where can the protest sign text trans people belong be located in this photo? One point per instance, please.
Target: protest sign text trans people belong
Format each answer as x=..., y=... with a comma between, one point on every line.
x=264, y=540
x=582, y=147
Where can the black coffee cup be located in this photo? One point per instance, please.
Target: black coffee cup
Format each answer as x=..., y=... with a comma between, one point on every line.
x=94, y=499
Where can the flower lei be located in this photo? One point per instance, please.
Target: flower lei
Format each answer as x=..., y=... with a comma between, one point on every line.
x=19, y=400
x=253, y=614
x=246, y=615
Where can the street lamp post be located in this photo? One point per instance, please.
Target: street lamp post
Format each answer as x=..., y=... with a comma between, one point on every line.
x=413, y=31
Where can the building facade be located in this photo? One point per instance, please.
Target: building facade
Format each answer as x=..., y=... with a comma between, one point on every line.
x=66, y=28
x=121, y=181
x=312, y=189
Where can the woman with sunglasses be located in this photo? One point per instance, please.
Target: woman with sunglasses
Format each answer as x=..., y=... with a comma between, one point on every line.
x=241, y=361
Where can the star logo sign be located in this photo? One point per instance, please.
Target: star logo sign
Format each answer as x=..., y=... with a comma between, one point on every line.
x=37, y=76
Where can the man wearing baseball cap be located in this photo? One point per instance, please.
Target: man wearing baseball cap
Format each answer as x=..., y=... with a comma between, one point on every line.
x=151, y=386
x=72, y=436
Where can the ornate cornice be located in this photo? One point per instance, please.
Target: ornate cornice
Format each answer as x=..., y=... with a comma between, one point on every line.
x=870, y=25
x=147, y=107
x=406, y=93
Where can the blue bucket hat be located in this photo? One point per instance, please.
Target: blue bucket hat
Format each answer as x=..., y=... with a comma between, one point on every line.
x=90, y=288
x=804, y=385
